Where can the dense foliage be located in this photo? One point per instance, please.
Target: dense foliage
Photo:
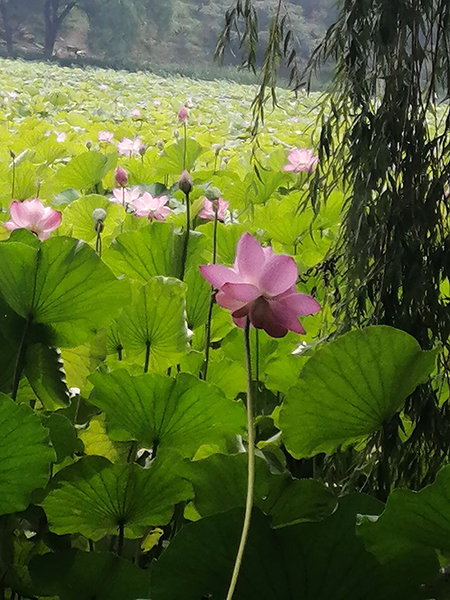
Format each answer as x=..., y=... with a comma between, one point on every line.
x=122, y=458
x=142, y=33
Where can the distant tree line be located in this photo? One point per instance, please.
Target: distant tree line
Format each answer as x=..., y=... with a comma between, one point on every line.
x=159, y=31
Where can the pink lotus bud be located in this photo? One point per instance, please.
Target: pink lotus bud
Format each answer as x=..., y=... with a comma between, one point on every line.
x=121, y=177
x=183, y=114
x=160, y=144
x=185, y=182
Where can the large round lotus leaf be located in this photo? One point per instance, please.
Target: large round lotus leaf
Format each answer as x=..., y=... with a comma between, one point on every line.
x=181, y=414
x=307, y=561
x=25, y=455
x=76, y=575
x=152, y=250
x=411, y=519
x=61, y=283
x=285, y=499
x=350, y=386
x=96, y=498
x=156, y=318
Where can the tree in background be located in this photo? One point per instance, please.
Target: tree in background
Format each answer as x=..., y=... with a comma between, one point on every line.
x=387, y=138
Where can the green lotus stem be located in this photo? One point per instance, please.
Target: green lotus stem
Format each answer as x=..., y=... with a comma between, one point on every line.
x=147, y=356
x=251, y=465
x=211, y=301
x=13, y=185
x=18, y=369
x=120, y=539
x=186, y=238
x=185, y=145
x=98, y=240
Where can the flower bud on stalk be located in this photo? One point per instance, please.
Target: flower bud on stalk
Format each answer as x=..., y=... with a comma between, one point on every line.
x=183, y=115
x=99, y=216
x=121, y=177
x=185, y=183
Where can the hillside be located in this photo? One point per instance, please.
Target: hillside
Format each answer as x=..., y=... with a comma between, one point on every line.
x=166, y=33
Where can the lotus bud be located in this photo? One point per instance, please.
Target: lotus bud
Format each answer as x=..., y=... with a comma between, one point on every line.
x=12, y=154
x=183, y=115
x=160, y=144
x=176, y=133
x=217, y=148
x=89, y=144
x=142, y=149
x=213, y=193
x=121, y=177
x=185, y=183
x=99, y=216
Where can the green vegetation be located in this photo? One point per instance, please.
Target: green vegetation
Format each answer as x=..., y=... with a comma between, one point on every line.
x=170, y=34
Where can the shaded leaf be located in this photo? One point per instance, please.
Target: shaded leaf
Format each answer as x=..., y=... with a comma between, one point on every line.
x=349, y=387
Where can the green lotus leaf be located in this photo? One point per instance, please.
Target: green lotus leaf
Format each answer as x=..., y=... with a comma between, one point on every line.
x=25, y=455
x=350, y=387
x=154, y=323
x=411, y=520
x=166, y=413
x=309, y=561
x=75, y=575
x=61, y=284
x=96, y=498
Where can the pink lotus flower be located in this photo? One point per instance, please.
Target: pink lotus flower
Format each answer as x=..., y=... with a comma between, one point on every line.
x=125, y=197
x=60, y=137
x=156, y=102
x=183, y=114
x=105, y=136
x=129, y=147
x=34, y=216
x=301, y=159
x=151, y=207
x=261, y=286
x=121, y=177
x=207, y=211
x=135, y=112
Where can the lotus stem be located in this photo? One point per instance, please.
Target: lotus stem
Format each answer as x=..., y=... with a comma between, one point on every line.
x=211, y=302
x=251, y=465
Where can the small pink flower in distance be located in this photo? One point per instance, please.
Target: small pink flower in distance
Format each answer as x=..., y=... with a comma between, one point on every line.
x=125, y=197
x=153, y=207
x=183, y=114
x=129, y=147
x=121, y=177
x=135, y=112
x=301, y=159
x=189, y=104
x=261, y=286
x=207, y=211
x=156, y=102
x=34, y=216
x=60, y=137
x=105, y=136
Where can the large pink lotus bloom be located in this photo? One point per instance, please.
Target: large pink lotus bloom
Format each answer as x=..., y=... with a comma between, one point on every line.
x=208, y=213
x=156, y=102
x=301, y=159
x=183, y=114
x=105, y=136
x=61, y=137
x=153, y=207
x=125, y=197
x=261, y=286
x=129, y=147
x=136, y=112
x=34, y=216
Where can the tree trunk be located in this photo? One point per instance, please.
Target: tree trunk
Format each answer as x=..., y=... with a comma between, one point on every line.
x=51, y=26
x=53, y=21
x=5, y=11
